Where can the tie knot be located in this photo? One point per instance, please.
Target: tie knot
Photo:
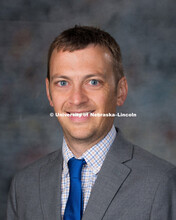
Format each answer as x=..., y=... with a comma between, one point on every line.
x=75, y=167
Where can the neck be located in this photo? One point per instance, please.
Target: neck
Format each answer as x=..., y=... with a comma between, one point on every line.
x=80, y=146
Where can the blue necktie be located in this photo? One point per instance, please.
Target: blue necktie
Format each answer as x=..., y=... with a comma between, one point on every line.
x=74, y=206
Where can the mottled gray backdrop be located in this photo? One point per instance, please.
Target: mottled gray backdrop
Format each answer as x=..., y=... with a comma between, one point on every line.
x=145, y=31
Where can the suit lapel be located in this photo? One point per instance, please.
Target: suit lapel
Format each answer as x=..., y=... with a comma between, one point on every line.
x=110, y=178
x=50, y=187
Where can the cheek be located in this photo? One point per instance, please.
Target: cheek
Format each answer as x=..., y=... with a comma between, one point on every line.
x=57, y=100
x=110, y=103
x=105, y=97
x=98, y=98
x=104, y=102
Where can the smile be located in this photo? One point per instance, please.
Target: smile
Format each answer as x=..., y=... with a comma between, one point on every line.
x=79, y=116
x=82, y=114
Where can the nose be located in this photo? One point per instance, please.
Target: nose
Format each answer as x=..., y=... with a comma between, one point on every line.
x=78, y=96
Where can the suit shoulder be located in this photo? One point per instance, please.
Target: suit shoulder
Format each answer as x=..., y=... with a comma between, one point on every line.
x=152, y=163
x=33, y=168
x=138, y=157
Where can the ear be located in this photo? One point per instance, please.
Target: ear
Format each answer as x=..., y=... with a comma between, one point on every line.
x=122, y=90
x=48, y=92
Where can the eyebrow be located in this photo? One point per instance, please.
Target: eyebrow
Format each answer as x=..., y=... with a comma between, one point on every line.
x=85, y=77
x=59, y=76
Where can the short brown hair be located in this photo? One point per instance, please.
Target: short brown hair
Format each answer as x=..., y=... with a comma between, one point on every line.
x=79, y=37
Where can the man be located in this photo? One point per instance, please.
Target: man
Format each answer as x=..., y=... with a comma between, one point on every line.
x=98, y=174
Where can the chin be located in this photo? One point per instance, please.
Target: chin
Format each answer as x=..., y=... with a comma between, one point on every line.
x=80, y=134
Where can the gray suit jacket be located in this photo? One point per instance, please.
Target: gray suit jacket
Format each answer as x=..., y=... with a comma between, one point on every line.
x=131, y=185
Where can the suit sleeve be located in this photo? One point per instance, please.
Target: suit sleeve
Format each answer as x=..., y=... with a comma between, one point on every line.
x=164, y=203
x=12, y=203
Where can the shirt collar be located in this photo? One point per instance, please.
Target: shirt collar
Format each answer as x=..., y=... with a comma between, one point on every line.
x=94, y=156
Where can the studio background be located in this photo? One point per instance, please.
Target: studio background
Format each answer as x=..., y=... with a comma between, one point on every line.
x=145, y=31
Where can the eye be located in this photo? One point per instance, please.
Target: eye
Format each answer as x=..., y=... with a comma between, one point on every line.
x=63, y=83
x=94, y=82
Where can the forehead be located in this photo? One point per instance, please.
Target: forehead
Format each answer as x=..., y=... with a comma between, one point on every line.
x=93, y=56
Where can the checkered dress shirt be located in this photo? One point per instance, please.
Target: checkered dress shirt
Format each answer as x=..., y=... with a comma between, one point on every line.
x=94, y=158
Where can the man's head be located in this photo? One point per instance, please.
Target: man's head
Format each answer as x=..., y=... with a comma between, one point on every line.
x=85, y=76
x=80, y=37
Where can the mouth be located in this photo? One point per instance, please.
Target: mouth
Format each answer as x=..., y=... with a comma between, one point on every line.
x=80, y=113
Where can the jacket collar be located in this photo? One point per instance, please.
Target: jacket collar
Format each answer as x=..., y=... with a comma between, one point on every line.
x=110, y=178
x=50, y=186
